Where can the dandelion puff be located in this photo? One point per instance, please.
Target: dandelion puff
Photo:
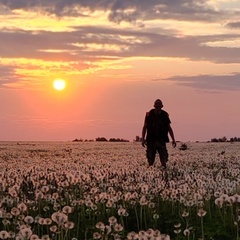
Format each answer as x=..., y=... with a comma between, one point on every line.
x=201, y=212
x=46, y=208
x=134, y=195
x=109, y=203
x=96, y=235
x=5, y=222
x=224, y=197
x=34, y=237
x=112, y=220
x=94, y=207
x=22, y=207
x=74, y=203
x=132, y=236
x=142, y=233
x=45, y=237
x=121, y=211
x=26, y=233
x=12, y=234
x=41, y=221
x=177, y=231
x=28, y=220
x=4, y=234
x=150, y=232
x=143, y=200
x=178, y=225
x=55, y=207
x=67, y=209
x=55, y=195
x=133, y=202
x=45, y=189
x=59, y=218
x=35, y=208
x=8, y=215
x=100, y=225
x=19, y=237
x=165, y=237
x=88, y=203
x=218, y=202
x=53, y=228
x=157, y=233
x=237, y=198
x=118, y=227
x=15, y=211
x=186, y=232
x=231, y=200
x=39, y=195
x=185, y=214
x=21, y=217
x=117, y=237
x=151, y=205
x=47, y=221
x=24, y=227
x=69, y=225
x=217, y=194
x=126, y=214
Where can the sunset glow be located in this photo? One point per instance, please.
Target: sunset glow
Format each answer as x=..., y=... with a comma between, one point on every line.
x=118, y=58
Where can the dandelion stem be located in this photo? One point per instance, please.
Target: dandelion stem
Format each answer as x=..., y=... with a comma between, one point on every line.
x=202, y=228
x=137, y=218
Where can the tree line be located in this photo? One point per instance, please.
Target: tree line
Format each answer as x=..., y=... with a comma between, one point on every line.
x=224, y=139
x=101, y=139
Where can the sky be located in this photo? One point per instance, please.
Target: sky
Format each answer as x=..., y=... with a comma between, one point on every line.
x=117, y=57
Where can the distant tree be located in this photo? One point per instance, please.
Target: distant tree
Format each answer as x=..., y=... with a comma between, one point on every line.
x=118, y=140
x=78, y=140
x=101, y=139
x=138, y=139
x=223, y=139
x=234, y=139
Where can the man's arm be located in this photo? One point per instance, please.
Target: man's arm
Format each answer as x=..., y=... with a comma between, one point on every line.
x=170, y=130
x=144, y=130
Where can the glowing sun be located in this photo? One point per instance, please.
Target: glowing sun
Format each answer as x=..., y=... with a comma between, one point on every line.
x=59, y=84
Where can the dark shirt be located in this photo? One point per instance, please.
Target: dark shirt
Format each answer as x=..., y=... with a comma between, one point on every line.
x=157, y=126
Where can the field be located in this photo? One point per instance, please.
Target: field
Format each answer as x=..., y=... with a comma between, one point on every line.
x=97, y=190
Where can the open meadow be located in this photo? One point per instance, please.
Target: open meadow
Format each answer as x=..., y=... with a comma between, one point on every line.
x=104, y=190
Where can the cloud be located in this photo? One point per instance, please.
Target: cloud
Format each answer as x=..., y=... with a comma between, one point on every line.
x=233, y=24
x=209, y=82
x=123, y=10
x=71, y=46
x=92, y=44
x=7, y=75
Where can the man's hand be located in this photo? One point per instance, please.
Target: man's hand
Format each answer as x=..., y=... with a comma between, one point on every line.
x=143, y=143
x=174, y=144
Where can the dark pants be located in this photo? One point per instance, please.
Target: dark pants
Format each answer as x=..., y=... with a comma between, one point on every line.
x=154, y=147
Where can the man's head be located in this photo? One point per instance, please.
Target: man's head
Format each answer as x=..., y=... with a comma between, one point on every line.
x=158, y=104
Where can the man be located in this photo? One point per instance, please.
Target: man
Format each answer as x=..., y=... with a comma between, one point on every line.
x=157, y=126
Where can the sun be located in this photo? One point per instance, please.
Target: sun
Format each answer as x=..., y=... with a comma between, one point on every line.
x=59, y=84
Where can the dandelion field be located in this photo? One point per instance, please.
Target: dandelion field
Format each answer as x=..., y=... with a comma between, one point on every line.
x=96, y=190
